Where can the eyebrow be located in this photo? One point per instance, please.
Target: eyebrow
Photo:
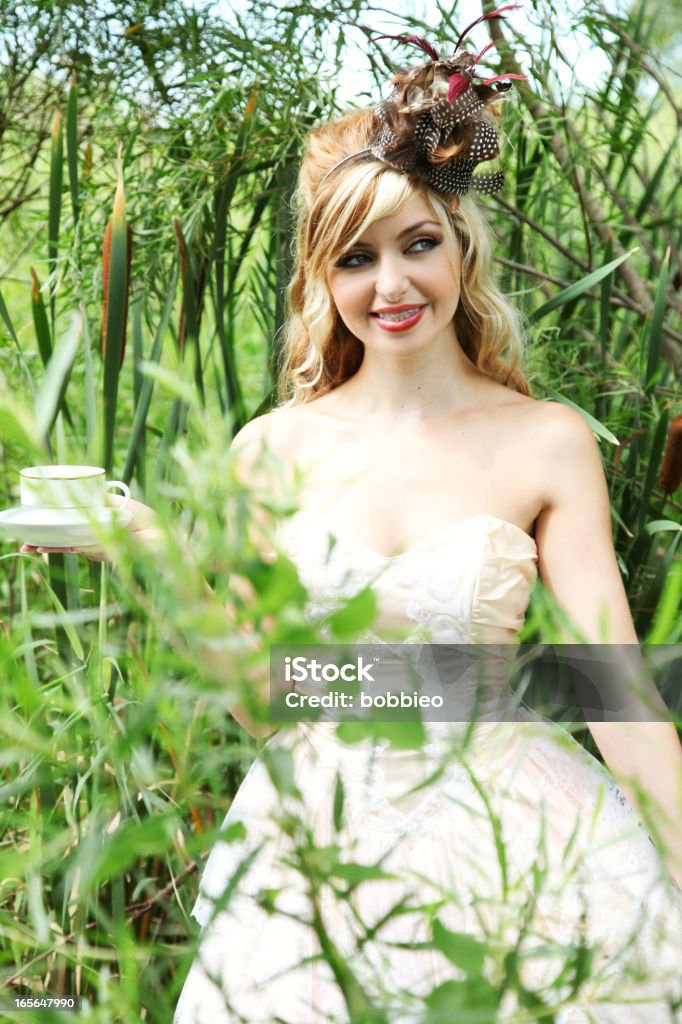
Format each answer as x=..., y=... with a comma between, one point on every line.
x=416, y=227
x=408, y=231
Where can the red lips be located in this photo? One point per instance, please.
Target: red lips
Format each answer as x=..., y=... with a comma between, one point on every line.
x=396, y=309
x=398, y=325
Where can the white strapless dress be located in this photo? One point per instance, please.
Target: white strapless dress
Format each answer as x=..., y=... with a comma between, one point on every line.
x=524, y=841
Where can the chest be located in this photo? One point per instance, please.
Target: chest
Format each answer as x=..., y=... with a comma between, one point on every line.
x=391, y=488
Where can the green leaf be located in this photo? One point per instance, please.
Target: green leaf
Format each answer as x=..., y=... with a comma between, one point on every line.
x=463, y=1002
x=147, y=387
x=49, y=397
x=66, y=624
x=357, y=614
x=72, y=147
x=461, y=949
x=655, y=181
x=402, y=735
x=90, y=396
x=4, y=313
x=280, y=765
x=579, y=287
x=122, y=847
x=55, y=200
x=654, y=461
x=191, y=314
x=662, y=526
x=170, y=381
x=116, y=319
x=355, y=874
x=36, y=907
x=40, y=322
x=275, y=583
x=667, y=627
x=605, y=305
x=656, y=323
x=338, y=803
x=234, y=832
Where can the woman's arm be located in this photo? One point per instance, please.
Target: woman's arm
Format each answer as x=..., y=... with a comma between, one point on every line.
x=578, y=565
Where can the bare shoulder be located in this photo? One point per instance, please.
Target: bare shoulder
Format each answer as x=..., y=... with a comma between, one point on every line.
x=265, y=449
x=553, y=416
x=567, y=451
x=576, y=505
x=561, y=419
x=549, y=447
x=545, y=428
x=275, y=432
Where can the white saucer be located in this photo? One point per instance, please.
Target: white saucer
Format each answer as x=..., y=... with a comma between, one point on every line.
x=61, y=527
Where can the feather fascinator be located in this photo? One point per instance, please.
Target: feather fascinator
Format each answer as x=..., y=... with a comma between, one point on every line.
x=439, y=122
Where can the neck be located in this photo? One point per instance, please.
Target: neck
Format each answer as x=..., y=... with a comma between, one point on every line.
x=414, y=388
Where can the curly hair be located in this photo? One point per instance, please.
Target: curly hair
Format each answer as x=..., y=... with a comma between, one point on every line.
x=336, y=204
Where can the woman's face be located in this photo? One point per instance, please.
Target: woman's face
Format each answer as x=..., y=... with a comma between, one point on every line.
x=396, y=289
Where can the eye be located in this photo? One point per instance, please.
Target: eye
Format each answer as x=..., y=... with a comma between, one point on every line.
x=349, y=261
x=427, y=240
x=359, y=259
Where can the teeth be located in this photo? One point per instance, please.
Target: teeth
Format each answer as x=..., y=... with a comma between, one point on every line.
x=399, y=316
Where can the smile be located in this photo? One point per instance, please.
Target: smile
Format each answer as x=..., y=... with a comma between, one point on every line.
x=401, y=320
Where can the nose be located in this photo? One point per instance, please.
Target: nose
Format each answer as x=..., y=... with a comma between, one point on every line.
x=392, y=281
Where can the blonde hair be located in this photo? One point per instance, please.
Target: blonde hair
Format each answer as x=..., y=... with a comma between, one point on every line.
x=334, y=210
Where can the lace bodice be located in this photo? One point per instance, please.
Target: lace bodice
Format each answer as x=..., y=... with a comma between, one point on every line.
x=466, y=585
x=469, y=582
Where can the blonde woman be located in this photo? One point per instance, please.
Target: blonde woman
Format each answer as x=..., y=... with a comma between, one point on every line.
x=432, y=475
x=427, y=461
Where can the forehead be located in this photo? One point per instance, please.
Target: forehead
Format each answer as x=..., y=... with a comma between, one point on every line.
x=414, y=211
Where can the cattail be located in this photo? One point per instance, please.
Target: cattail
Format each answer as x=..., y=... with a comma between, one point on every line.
x=671, y=471
x=251, y=105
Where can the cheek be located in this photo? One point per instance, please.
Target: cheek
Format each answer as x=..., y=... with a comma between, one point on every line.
x=346, y=297
x=449, y=284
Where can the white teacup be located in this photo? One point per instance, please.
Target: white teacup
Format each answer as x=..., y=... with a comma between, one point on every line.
x=67, y=487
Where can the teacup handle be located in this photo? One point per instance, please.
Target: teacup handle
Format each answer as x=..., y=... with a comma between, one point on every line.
x=123, y=487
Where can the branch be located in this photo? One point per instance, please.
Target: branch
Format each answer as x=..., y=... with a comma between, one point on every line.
x=635, y=284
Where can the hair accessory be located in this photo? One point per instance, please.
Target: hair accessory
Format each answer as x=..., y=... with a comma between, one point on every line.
x=438, y=123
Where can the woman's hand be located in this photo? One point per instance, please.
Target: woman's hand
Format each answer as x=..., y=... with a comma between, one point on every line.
x=143, y=526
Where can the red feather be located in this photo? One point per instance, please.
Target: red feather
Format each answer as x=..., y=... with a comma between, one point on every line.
x=417, y=40
x=500, y=78
x=483, y=52
x=486, y=17
x=457, y=84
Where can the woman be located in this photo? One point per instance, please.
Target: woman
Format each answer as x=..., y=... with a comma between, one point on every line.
x=437, y=475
